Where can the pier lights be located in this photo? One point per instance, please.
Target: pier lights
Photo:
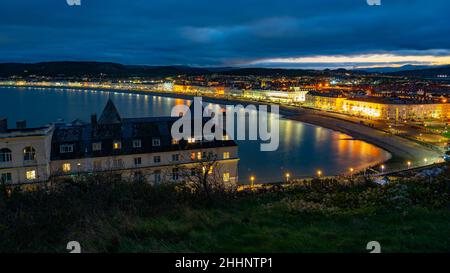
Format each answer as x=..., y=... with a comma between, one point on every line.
x=319, y=173
x=409, y=164
x=382, y=168
x=287, y=175
x=252, y=181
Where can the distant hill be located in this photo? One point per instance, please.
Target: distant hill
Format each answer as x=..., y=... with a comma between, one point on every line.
x=105, y=69
x=396, y=69
x=93, y=69
x=423, y=73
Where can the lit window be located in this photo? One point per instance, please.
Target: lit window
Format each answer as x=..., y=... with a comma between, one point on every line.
x=226, y=137
x=66, y=148
x=226, y=155
x=199, y=156
x=30, y=175
x=5, y=155
x=192, y=156
x=137, y=143
x=117, y=145
x=175, y=142
x=29, y=154
x=226, y=177
x=6, y=178
x=97, y=146
x=191, y=140
x=97, y=165
x=156, y=142
x=66, y=167
x=117, y=163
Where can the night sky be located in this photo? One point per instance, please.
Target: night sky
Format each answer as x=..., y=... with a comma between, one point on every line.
x=265, y=33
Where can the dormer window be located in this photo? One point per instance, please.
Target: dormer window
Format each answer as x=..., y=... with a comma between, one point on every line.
x=137, y=143
x=66, y=148
x=156, y=142
x=96, y=146
x=117, y=145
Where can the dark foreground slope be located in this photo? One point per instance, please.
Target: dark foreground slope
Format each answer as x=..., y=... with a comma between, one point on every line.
x=326, y=216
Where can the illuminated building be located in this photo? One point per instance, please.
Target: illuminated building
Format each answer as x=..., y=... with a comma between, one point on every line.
x=379, y=108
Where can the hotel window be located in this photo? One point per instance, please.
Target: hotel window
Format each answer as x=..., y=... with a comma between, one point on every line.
x=175, y=174
x=29, y=154
x=97, y=165
x=6, y=178
x=30, y=175
x=117, y=163
x=157, y=176
x=66, y=167
x=5, y=155
x=97, y=146
x=137, y=143
x=117, y=145
x=157, y=159
x=226, y=155
x=138, y=161
x=66, y=148
x=226, y=177
x=156, y=142
x=175, y=157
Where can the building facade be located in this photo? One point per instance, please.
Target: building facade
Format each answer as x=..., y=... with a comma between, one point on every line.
x=138, y=149
x=379, y=108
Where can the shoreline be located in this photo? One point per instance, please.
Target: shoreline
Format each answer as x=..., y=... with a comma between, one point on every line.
x=400, y=149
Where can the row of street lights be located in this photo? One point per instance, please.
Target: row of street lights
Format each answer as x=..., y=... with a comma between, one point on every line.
x=319, y=172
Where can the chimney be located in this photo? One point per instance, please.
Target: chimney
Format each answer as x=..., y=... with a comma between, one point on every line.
x=21, y=124
x=3, y=125
x=94, y=119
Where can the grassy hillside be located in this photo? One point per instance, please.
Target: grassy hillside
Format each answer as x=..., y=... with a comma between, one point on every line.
x=325, y=216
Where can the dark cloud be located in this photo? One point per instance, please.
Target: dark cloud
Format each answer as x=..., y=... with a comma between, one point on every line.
x=211, y=33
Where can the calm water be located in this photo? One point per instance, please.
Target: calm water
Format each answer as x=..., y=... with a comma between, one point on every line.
x=303, y=148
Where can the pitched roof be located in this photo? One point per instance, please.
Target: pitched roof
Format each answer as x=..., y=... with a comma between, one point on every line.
x=110, y=115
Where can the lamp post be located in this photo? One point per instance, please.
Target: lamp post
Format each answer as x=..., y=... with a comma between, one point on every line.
x=351, y=172
x=287, y=177
x=252, y=181
x=382, y=168
x=409, y=164
x=319, y=173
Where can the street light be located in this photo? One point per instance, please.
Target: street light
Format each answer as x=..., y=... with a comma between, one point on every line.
x=382, y=168
x=409, y=164
x=252, y=181
x=287, y=177
x=319, y=173
x=425, y=160
x=351, y=172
